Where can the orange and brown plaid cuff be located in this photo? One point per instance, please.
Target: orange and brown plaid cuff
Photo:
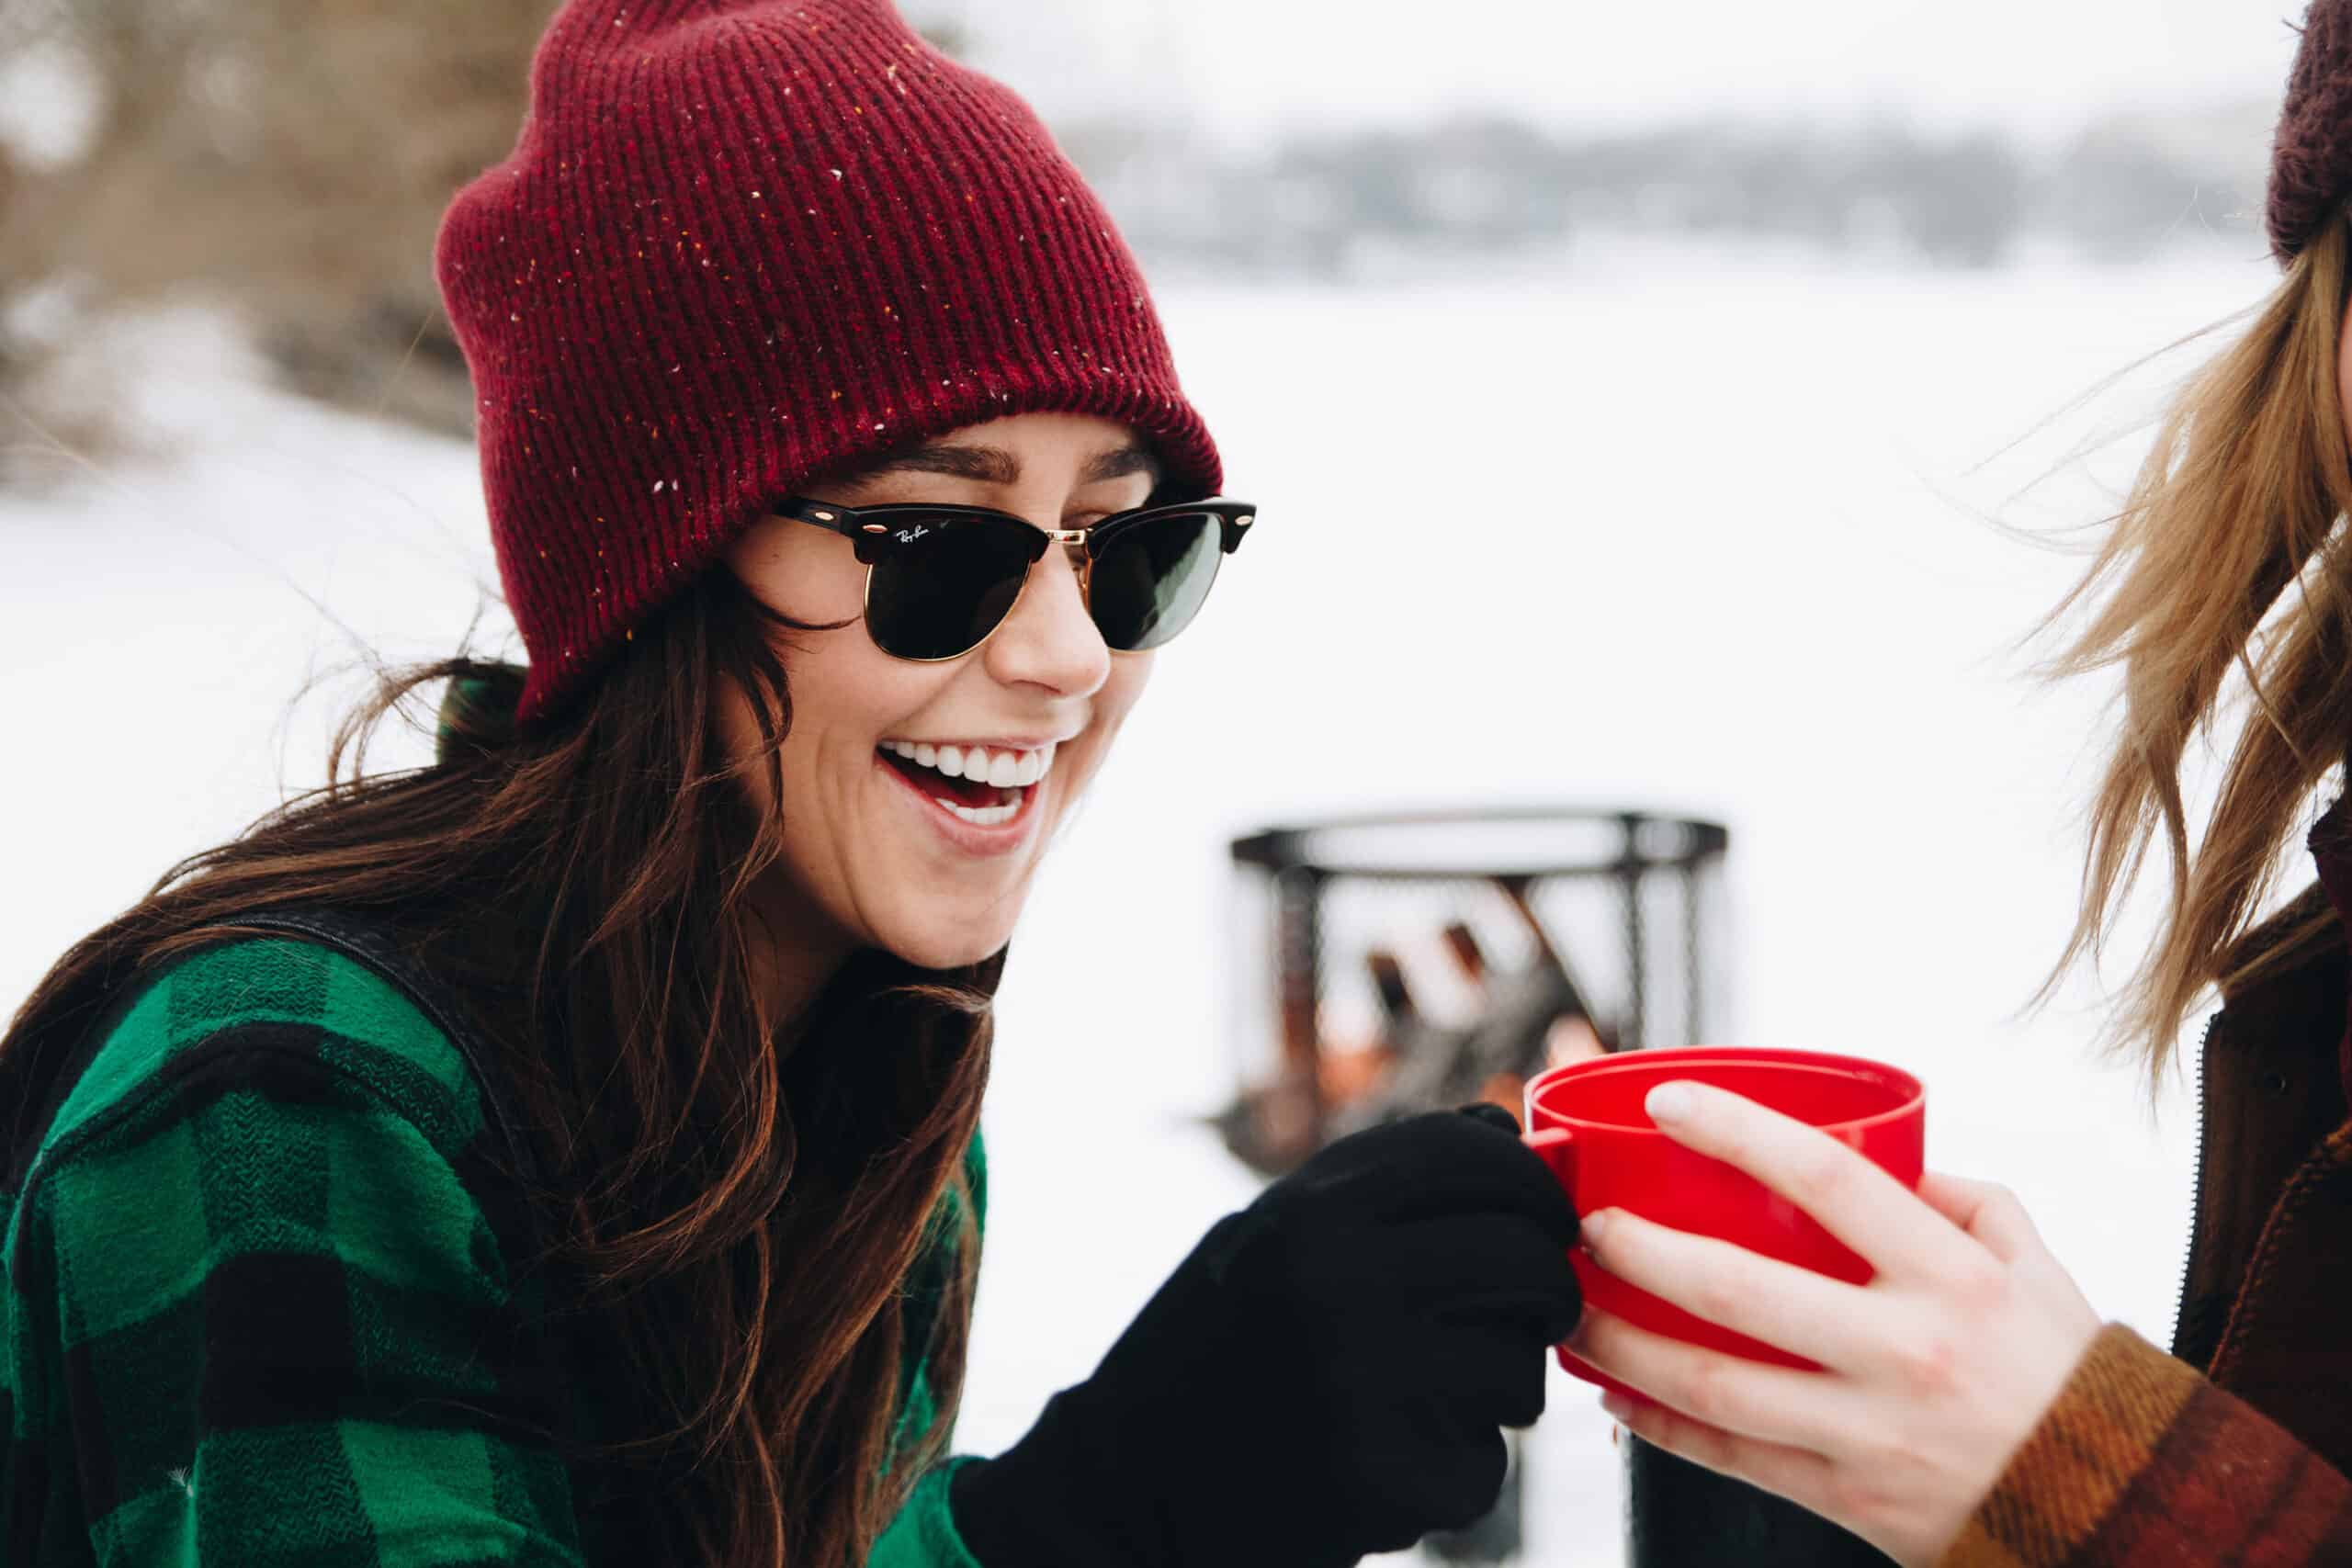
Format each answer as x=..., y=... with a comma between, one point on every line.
x=2143, y=1462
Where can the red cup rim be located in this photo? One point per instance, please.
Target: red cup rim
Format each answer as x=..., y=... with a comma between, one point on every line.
x=1913, y=1090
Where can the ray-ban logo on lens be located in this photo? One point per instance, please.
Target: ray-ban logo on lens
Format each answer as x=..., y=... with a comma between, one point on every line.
x=908, y=536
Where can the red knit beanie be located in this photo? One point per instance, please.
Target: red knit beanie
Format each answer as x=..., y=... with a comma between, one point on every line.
x=2311, y=156
x=742, y=242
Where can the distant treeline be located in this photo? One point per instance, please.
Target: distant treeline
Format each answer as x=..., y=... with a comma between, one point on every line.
x=1497, y=186
x=292, y=161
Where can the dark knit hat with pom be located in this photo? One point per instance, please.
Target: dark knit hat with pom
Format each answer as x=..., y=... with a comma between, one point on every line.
x=741, y=242
x=2310, y=158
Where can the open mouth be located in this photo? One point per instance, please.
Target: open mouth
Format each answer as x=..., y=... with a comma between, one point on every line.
x=982, y=805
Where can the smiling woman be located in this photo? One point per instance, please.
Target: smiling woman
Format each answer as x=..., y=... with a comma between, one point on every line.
x=929, y=762
x=932, y=856
x=568, y=1153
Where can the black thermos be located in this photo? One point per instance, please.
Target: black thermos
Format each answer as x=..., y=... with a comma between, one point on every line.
x=1679, y=1515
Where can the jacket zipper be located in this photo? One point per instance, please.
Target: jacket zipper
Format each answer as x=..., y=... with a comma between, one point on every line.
x=2197, y=1197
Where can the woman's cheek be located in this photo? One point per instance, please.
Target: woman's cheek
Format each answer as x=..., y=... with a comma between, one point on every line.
x=1099, y=742
x=1120, y=695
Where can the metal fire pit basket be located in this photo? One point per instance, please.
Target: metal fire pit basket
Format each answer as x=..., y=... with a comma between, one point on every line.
x=1390, y=963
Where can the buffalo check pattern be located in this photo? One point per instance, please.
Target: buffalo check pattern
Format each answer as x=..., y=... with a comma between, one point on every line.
x=259, y=1309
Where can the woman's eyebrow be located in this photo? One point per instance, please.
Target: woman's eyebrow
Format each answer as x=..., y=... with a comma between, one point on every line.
x=994, y=465
x=991, y=465
x=1121, y=461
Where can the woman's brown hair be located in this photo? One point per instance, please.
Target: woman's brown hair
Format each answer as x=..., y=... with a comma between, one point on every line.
x=740, y=1212
x=2225, y=555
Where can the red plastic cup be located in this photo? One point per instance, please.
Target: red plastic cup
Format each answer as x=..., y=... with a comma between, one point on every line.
x=1586, y=1122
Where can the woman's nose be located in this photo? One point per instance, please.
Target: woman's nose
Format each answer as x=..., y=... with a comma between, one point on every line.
x=1049, y=638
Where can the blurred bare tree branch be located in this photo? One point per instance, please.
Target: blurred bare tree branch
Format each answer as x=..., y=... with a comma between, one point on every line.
x=291, y=157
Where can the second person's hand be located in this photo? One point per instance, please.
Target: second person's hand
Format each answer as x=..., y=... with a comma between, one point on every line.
x=1934, y=1373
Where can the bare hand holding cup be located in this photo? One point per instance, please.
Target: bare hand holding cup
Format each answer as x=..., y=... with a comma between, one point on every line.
x=1874, y=1342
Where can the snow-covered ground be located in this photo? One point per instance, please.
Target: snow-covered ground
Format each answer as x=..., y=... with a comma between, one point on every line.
x=1698, y=531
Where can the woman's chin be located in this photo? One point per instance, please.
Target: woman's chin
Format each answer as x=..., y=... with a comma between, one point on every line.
x=946, y=945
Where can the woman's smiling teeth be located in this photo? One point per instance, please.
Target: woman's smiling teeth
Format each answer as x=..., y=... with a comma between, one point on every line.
x=1011, y=771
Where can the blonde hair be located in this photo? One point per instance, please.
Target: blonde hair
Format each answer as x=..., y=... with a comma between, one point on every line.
x=2233, y=515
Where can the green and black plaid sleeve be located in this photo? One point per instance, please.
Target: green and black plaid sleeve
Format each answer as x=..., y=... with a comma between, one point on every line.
x=257, y=1313
x=257, y=1309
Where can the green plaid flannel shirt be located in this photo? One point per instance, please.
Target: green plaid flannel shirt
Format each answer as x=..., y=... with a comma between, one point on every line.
x=257, y=1311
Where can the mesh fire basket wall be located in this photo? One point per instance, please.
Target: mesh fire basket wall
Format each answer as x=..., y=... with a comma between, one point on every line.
x=1384, y=964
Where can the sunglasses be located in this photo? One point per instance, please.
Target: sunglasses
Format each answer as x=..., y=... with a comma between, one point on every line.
x=939, y=580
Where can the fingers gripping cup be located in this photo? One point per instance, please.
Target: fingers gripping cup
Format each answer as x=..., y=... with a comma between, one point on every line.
x=1586, y=1122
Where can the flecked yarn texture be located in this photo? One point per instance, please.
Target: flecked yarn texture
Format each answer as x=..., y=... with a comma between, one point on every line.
x=2311, y=157
x=743, y=242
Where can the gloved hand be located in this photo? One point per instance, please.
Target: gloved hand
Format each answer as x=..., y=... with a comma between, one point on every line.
x=1322, y=1377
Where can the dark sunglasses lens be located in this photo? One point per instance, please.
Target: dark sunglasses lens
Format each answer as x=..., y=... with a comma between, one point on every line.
x=1150, y=580
x=945, y=583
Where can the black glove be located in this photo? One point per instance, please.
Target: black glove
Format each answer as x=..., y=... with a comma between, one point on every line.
x=1322, y=1377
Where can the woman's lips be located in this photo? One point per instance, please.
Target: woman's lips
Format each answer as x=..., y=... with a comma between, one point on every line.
x=970, y=838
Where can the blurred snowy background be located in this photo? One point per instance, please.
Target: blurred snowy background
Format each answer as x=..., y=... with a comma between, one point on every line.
x=1626, y=393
